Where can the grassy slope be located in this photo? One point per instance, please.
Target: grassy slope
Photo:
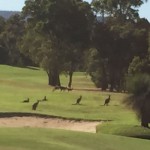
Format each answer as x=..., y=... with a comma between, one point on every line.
x=17, y=84
x=20, y=83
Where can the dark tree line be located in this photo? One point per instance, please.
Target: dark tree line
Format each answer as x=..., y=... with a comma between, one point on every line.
x=11, y=33
x=120, y=37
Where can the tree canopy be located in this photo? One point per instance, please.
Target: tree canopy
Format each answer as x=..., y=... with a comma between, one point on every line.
x=61, y=32
x=69, y=35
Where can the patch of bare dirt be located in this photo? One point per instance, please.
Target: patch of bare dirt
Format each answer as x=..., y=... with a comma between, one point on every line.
x=57, y=123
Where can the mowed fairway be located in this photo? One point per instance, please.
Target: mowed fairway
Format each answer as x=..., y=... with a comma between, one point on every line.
x=47, y=139
x=17, y=84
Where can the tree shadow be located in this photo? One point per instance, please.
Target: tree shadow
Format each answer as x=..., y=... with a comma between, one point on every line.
x=146, y=137
x=32, y=68
x=109, y=105
x=79, y=104
x=140, y=132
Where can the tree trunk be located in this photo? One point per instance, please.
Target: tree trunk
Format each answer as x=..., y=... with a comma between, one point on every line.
x=70, y=79
x=53, y=78
x=70, y=75
x=144, y=122
x=144, y=116
x=104, y=84
x=112, y=82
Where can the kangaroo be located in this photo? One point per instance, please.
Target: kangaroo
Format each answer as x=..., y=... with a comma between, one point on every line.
x=107, y=101
x=62, y=88
x=34, y=106
x=44, y=99
x=79, y=100
x=26, y=100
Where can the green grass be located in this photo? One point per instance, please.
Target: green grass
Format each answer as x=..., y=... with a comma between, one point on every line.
x=20, y=83
x=16, y=84
x=46, y=139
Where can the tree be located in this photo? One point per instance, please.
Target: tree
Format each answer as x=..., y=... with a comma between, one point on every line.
x=141, y=61
x=139, y=98
x=10, y=36
x=118, y=8
x=122, y=36
x=61, y=31
x=149, y=42
x=3, y=51
x=139, y=88
x=43, y=53
x=139, y=66
x=96, y=67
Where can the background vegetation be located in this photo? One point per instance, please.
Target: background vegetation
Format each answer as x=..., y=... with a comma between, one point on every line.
x=107, y=39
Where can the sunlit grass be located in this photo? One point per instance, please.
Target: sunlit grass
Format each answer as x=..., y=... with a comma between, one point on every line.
x=18, y=84
x=46, y=139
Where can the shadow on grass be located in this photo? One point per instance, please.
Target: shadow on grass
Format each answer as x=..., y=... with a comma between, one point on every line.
x=147, y=137
x=125, y=130
x=108, y=105
x=142, y=135
x=33, y=68
x=28, y=67
x=79, y=104
x=26, y=114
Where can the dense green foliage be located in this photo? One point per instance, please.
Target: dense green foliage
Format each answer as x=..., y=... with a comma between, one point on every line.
x=120, y=37
x=61, y=33
x=139, y=89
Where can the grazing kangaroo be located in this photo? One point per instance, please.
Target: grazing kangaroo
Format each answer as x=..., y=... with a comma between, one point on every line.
x=69, y=89
x=56, y=88
x=26, y=100
x=34, y=106
x=107, y=101
x=62, y=88
x=79, y=100
x=44, y=99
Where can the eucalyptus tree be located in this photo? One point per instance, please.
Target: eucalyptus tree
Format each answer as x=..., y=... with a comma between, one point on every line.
x=118, y=8
x=10, y=36
x=3, y=52
x=61, y=30
x=118, y=39
x=149, y=42
x=2, y=23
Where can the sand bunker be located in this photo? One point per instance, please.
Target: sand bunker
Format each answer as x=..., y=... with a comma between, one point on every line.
x=38, y=122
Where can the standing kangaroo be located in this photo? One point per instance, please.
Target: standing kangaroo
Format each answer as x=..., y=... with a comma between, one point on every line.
x=107, y=100
x=34, y=106
x=79, y=100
